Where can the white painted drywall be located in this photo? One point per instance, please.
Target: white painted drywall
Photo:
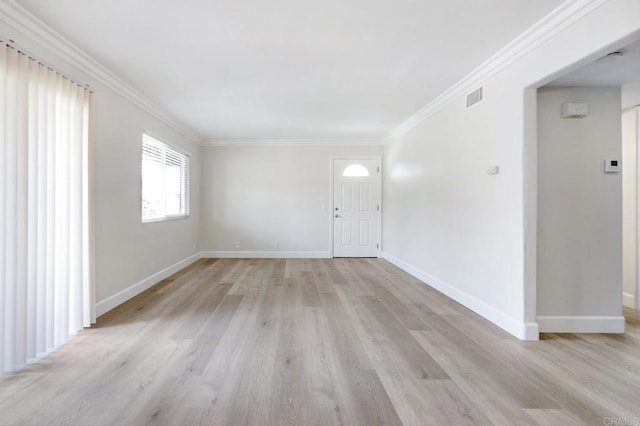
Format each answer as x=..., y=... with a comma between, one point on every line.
x=270, y=198
x=579, y=206
x=471, y=232
x=126, y=251
x=630, y=95
x=445, y=215
x=630, y=206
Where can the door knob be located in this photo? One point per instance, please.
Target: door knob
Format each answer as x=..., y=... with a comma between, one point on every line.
x=336, y=215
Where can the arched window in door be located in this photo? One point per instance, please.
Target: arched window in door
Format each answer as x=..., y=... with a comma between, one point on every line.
x=355, y=170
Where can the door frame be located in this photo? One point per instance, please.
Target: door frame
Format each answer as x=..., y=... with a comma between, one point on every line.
x=331, y=207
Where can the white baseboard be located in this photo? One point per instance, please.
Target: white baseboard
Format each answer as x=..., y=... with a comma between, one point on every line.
x=629, y=300
x=111, y=302
x=266, y=254
x=521, y=330
x=581, y=324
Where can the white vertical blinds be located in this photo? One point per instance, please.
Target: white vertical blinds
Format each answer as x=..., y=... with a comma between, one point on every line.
x=46, y=280
x=165, y=181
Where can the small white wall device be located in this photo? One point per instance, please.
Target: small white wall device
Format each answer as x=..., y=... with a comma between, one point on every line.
x=612, y=166
x=574, y=110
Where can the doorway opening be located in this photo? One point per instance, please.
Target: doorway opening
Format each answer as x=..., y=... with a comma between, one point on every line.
x=587, y=195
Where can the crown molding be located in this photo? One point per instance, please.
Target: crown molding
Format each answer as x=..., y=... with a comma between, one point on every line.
x=557, y=20
x=294, y=142
x=23, y=21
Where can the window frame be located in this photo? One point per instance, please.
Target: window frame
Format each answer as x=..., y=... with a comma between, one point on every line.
x=166, y=147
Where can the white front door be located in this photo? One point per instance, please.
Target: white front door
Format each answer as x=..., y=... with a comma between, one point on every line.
x=356, y=208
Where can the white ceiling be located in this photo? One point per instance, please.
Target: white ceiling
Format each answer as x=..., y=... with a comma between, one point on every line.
x=291, y=68
x=612, y=71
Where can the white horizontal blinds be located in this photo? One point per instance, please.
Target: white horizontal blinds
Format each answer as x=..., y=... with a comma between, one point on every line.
x=184, y=183
x=175, y=168
x=152, y=179
x=165, y=181
x=45, y=280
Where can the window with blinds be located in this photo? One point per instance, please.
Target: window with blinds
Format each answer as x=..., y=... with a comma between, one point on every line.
x=165, y=181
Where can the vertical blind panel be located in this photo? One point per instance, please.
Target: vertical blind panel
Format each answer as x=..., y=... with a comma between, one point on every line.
x=3, y=197
x=32, y=220
x=50, y=214
x=11, y=202
x=21, y=209
x=3, y=186
x=45, y=278
x=88, y=295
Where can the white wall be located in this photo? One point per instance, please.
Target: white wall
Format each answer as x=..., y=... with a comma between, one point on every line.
x=269, y=198
x=630, y=206
x=127, y=252
x=630, y=95
x=470, y=234
x=446, y=217
x=579, y=206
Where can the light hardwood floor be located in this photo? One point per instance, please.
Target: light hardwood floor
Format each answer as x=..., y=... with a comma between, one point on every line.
x=319, y=342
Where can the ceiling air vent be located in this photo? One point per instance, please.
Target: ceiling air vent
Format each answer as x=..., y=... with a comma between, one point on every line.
x=474, y=97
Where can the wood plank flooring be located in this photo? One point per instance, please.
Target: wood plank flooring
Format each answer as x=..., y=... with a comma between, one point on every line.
x=319, y=342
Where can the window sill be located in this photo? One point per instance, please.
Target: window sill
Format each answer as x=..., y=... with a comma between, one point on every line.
x=166, y=219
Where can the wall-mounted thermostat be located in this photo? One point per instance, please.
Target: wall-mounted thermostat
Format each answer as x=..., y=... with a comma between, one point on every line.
x=574, y=110
x=612, y=166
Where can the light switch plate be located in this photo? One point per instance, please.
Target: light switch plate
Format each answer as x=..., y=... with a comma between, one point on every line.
x=493, y=170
